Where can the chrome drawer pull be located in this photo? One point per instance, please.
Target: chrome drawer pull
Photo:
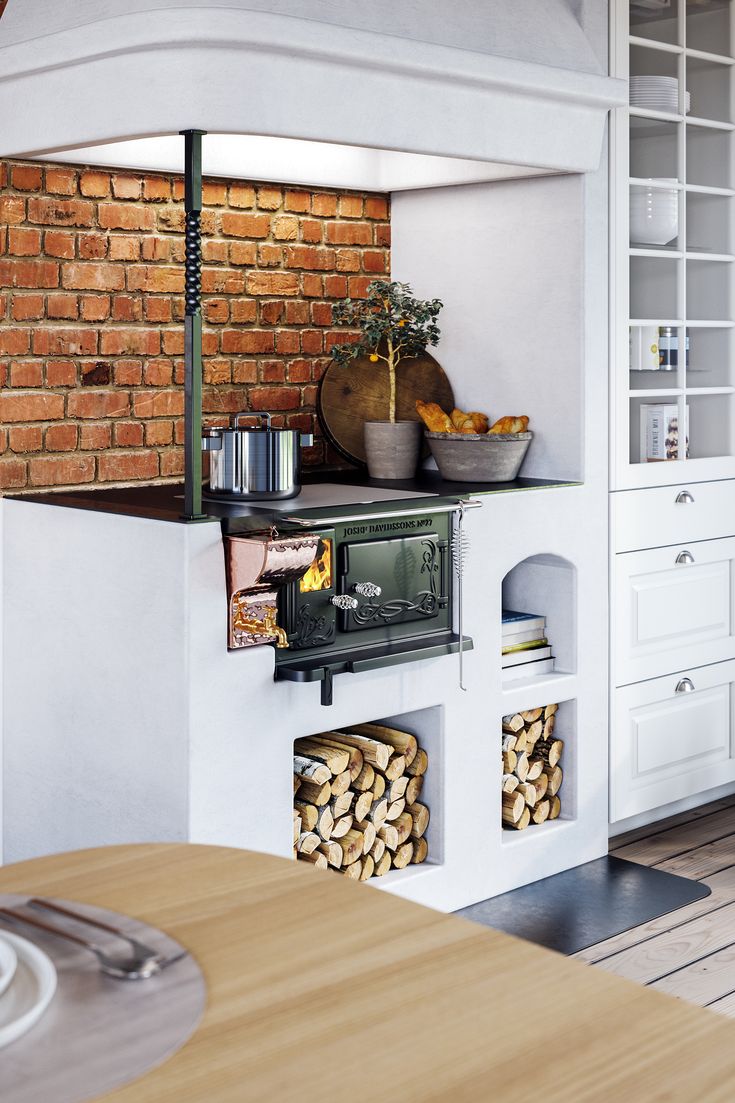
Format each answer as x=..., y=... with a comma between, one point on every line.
x=684, y=498
x=685, y=557
x=686, y=685
x=345, y=602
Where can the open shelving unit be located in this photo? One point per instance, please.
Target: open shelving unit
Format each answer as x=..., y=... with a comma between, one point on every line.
x=688, y=283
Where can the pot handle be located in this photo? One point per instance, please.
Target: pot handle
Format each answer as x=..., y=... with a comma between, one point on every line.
x=265, y=419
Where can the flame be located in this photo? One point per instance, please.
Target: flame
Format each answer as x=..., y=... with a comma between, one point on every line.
x=319, y=574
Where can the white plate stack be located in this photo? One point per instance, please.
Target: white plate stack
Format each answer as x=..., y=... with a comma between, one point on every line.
x=654, y=213
x=657, y=94
x=27, y=986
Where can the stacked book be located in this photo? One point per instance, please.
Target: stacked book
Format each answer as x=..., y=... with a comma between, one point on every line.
x=525, y=648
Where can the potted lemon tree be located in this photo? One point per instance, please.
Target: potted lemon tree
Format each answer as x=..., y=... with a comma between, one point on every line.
x=393, y=326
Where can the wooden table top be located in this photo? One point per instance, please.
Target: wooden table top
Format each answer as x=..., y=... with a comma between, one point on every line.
x=325, y=987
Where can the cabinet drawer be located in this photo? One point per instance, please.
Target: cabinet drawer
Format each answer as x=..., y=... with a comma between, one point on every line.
x=671, y=738
x=665, y=515
x=672, y=608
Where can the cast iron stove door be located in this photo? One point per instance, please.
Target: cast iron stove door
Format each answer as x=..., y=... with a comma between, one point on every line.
x=410, y=572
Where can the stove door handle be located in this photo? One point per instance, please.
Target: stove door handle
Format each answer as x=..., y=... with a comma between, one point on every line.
x=316, y=522
x=345, y=602
x=367, y=589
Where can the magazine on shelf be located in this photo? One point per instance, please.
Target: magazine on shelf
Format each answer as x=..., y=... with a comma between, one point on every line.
x=518, y=658
x=524, y=637
x=527, y=670
x=521, y=622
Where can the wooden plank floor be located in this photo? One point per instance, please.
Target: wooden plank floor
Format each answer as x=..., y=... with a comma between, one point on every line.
x=689, y=953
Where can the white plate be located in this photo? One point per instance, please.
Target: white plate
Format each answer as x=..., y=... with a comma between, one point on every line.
x=8, y=962
x=32, y=989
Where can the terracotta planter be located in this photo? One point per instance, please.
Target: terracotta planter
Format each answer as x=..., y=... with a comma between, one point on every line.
x=392, y=448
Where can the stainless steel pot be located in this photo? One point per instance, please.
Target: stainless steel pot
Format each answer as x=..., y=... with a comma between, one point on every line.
x=256, y=463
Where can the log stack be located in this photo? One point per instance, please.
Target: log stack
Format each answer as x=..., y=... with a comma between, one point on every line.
x=356, y=800
x=532, y=772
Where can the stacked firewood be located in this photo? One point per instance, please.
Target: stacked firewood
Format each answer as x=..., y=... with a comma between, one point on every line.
x=532, y=775
x=356, y=800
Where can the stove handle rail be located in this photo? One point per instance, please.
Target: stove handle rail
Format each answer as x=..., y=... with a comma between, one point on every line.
x=316, y=522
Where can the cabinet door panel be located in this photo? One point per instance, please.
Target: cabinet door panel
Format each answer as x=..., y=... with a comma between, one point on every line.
x=669, y=615
x=671, y=738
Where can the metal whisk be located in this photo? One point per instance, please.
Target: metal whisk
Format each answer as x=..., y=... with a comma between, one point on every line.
x=460, y=549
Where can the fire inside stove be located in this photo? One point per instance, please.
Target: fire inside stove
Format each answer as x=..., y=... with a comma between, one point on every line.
x=319, y=574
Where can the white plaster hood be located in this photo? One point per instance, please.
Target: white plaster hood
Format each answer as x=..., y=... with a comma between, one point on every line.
x=407, y=93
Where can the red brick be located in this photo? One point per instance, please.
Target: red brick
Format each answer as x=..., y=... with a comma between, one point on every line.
x=130, y=342
x=157, y=309
x=61, y=181
x=272, y=283
x=216, y=311
x=96, y=308
x=222, y=281
x=309, y=395
x=275, y=398
x=13, y=473
x=121, y=216
x=23, y=242
x=299, y=371
x=307, y=256
x=172, y=342
x=26, y=373
x=61, y=212
x=61, y=438
x=59, y=243
x=3, y=440
x=288, y=342
x=123, y=247
x=121, y=466
x=98, y=404
x=126, y=187
x=94, y=437
x=311, y=231
x=156, y=248
x=357, y=286
x=95, y=184
x=98, y=373
x=244, y=371
x=350, y=206
x=214, y=194
x=172, y=462
x=126, y=308
x=222, y=400
x=296, y=201
x=156, y=189
x=92, y=246
x=14, y=341
x=26, y=438
x=271, y=312
x=285, y=228
x=30, y=406
x=381, y=234
x=151, y=278
x=348, y=260
x=217, y=371
x=243, y=310
x=376, y=207
x=242, y=196
x=269, y=199
x=312, y=341
x=128, y=373
x=159, y=432
x=243, y=253
x=128, y=434
x=65, y=342
x=324, y=205
x=171, y=219
x=272, y=371
x=61, y=470
x=158, y=373
x=247, y=341
x=61, y=373
x=159, y=404
x=312, y=286
x=270, y=256
x=245, y=225
x=321, y=314
x=349, y=233
x=373, y=261
x=12, y=209
x=297, y=312
x=27, y=308
x=29, y=273
x=93, y=277
x=26, y=177
x=62, y=306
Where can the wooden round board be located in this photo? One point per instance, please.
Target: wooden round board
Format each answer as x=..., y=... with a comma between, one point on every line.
x=349, y=396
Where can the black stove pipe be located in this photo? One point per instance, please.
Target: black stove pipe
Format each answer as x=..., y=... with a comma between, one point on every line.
x=193, y=326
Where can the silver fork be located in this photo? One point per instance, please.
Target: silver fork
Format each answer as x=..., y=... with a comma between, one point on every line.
x=140, y=967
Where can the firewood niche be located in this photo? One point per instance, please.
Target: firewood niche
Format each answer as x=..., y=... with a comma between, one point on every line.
x=532, y=772
x=356, y=800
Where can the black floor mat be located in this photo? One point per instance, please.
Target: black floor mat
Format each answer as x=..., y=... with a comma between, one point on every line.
x=582, y=906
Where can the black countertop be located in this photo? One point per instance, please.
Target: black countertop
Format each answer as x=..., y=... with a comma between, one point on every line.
x=164, y=502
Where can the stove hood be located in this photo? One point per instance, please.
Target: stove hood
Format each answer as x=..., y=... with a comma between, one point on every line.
x=385, y=95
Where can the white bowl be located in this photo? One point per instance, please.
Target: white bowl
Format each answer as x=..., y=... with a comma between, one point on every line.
x=654, y=215
x=31, y=991
x=8, y=962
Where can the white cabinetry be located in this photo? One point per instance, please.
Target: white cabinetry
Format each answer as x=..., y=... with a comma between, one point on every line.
x=673, y=344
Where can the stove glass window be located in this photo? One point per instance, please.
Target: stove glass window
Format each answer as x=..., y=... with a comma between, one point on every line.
x=319, y=574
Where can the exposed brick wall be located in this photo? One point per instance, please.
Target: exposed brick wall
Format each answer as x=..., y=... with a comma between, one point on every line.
x=91, y=310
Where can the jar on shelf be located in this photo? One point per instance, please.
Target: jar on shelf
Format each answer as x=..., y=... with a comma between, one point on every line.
x=668, y=348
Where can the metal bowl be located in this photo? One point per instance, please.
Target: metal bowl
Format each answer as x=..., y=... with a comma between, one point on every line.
x=479, y=457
